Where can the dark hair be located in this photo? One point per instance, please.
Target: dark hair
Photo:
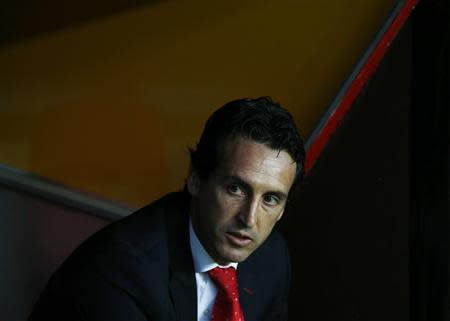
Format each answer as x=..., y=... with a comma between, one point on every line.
x=261, y=120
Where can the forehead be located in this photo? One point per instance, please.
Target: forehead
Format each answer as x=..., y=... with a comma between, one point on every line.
x=257, y=164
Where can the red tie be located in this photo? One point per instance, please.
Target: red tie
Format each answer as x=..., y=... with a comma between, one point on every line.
x=226, y=307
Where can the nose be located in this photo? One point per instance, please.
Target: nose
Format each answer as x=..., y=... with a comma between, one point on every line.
x=249, y=213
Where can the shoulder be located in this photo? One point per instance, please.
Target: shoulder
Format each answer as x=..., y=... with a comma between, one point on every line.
x=140, y=232
x=117, y=273
x=270, y=262
x=265, y=278
x=273, y=254
x=128, y=249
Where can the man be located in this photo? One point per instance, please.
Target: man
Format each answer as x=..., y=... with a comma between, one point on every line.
x=207, y=253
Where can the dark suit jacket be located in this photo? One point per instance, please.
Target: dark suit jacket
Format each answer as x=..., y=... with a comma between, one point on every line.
x=140, y=268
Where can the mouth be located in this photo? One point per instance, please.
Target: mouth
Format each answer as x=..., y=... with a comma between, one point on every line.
x=238, y=239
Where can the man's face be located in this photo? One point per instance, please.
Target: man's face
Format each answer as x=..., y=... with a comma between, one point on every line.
x=235, y=208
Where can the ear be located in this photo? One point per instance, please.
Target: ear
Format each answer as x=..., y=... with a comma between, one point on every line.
x=193, y=181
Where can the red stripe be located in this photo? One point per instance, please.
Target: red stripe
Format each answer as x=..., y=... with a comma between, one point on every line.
x=357, y=85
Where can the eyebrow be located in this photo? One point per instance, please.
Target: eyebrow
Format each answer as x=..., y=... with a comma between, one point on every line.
x=281, y=195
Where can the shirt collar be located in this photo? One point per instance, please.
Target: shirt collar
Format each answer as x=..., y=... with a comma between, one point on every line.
x=202, y=261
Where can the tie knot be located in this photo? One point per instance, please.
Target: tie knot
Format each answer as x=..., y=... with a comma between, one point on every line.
x=224, y=278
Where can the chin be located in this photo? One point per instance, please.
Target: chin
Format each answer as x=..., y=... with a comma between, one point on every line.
x=234, y=256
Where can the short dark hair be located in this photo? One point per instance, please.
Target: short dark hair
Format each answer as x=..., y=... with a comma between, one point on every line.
x=261, y=120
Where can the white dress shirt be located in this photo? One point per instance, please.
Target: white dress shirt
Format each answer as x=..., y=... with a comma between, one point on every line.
x=206, y=289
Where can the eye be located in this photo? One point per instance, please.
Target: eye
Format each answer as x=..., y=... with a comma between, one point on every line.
x=271, y=200
x=234, y=189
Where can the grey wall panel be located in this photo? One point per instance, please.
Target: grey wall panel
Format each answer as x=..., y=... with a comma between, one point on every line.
x=35, y=237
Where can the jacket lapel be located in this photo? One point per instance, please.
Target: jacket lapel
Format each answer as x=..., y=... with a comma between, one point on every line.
x=248, y=290
x=182, y=284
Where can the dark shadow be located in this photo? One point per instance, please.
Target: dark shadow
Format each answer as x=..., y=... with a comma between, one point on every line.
x=348, y=226
x=430, y=119
x=20, y=19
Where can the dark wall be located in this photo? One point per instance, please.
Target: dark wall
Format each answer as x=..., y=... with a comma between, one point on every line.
x=430, y=278
x=348, y=226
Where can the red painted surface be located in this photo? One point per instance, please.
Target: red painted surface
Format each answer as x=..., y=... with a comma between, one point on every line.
x=357, y=85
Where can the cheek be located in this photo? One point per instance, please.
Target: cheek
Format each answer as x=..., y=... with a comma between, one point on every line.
x=268, y=225
x=226, y=216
